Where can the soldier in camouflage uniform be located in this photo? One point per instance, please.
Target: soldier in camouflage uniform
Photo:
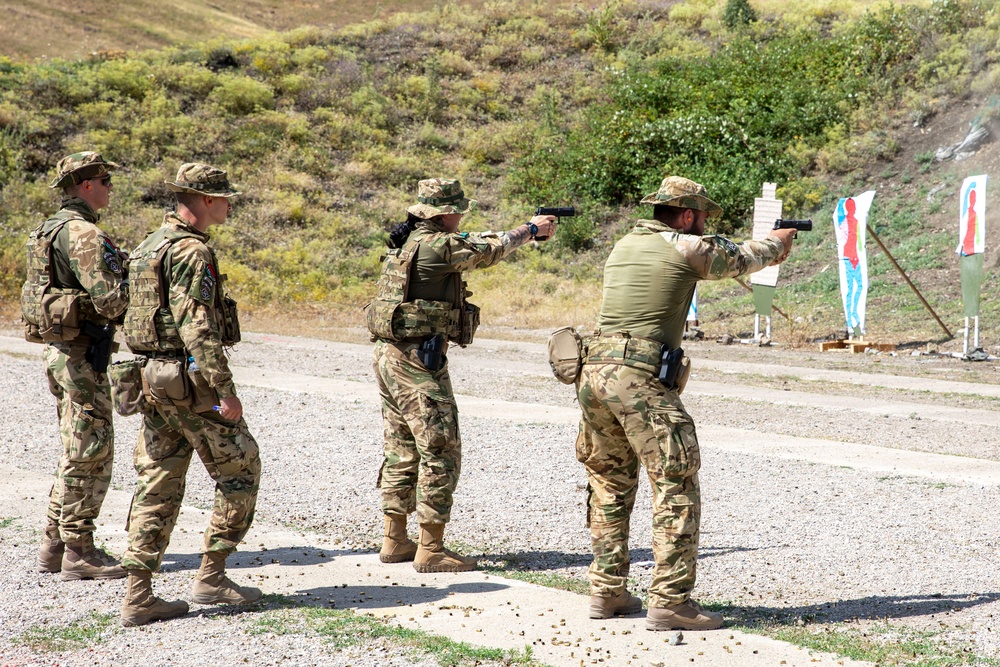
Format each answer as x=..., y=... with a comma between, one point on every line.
x=182, y=321
x=631, y=418
x=71, y=260
x=421, y=307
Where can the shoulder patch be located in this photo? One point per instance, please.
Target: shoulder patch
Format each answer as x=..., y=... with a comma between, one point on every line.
x=727, y=245
x=206, y=289
x=112, y=259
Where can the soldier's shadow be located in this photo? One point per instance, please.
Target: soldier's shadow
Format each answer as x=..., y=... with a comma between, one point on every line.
x=248, y=559
x=873, y=607
x=552, y=560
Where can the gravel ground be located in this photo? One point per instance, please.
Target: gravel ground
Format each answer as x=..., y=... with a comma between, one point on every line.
x=796, y=540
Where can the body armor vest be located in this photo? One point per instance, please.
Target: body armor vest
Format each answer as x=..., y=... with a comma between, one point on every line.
x=149, y=323
x=51, y=312
x=393, y=316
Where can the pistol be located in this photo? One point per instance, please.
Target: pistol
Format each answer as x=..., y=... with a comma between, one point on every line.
x=798, y=225
x=558, y=211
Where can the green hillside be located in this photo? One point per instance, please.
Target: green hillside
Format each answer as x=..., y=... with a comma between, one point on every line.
x=328, y=130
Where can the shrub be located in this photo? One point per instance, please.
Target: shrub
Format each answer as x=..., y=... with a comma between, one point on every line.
x=241, y=95
x=737, y=14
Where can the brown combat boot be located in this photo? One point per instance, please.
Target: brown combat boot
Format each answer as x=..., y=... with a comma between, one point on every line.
x=141, y=606
x=396, y=546
x=607, y=606
x=50, y=554
x=83, y=560
x=682, y=616
x=433, y=557
x=212, y=586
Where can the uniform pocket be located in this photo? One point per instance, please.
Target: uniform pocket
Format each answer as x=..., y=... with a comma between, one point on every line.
x=679, y=451
x=90, y=441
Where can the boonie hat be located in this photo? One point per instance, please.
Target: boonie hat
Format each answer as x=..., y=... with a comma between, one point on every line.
x=203, y=179
x=440, y=196
x=80, y=167
x=683, y=193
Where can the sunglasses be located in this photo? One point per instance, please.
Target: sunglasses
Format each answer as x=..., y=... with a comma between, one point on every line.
x=106, y=181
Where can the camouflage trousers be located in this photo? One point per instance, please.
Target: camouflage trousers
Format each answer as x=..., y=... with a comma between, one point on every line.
x=629, y=419
x=423, y=449
x=167, y=438
x=88, y=442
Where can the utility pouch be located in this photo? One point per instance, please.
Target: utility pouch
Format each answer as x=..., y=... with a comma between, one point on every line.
x=670, y=366
x=204, y=397
x=59, y=315
x=431, y=352
x=685, y=373
x=467, y=324
x=126, y=386
x=166, y=382
x=230, y=322
x=566, y=354
x=31, y=333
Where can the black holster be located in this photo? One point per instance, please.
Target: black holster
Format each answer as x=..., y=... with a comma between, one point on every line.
x=670, y=366
x=431, y=352
x=102, y=339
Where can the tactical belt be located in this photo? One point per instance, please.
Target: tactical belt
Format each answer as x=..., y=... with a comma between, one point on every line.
x=641, y=353
x=169, y=354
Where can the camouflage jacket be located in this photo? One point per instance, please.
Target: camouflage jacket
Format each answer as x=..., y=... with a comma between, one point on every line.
x=82, y=257
x=651, y=274
x=421, y=291
x=193, y=319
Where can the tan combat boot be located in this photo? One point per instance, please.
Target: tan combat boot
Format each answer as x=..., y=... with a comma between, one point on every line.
x=212, y=586
x=433, y=557
x=682, y=616
x=142, y=607
x=83, y=560
x=396, y=546
x=50, y=554
x=607, y=606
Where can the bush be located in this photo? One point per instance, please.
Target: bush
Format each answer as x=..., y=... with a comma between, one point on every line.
x=737, y=14
x=241, y=95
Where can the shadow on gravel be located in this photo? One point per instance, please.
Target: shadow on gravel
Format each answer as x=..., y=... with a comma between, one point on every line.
x=242, y=559
x=552, y=560
x=872, y=608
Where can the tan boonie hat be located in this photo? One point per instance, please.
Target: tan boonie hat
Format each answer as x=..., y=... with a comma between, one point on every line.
x=683, y=193
x=440, y=196
x=202, y=179
x=80, y=167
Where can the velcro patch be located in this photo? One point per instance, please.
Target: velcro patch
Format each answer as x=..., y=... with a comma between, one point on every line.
x=206, y=291
x=111, y=258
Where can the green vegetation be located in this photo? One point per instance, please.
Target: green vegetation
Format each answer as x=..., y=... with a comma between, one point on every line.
x=6, y=522
x=81, y=633
x=529, y=103
x=344, y=629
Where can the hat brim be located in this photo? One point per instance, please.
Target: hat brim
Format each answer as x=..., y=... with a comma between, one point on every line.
x=696, y=202
x=66, y=179
x=425, y=211
x=225, y=192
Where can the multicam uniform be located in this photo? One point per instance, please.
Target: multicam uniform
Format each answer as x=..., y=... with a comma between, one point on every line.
x=421, y=293
x=70, y=253
x=191, y=322
x=629, y=417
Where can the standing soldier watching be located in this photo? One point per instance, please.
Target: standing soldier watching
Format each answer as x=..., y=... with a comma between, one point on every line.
x=421, y=307
x=633, y=372
x=181, y=323
x=76, y=287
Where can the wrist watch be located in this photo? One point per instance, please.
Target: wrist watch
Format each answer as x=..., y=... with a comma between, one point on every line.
x=533, y=228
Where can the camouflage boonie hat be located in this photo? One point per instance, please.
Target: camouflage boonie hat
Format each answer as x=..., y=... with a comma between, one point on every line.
x=80, y=167
x=202, y=179
x=440, y=196
x=683, y=193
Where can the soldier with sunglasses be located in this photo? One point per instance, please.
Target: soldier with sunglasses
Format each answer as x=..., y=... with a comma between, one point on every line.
x=75, y=290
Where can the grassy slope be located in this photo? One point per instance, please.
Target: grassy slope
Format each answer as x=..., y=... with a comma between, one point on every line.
x=58, y=29
x=349, y=119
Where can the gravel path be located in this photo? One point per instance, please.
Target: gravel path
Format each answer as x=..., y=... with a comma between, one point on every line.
x=792, y=539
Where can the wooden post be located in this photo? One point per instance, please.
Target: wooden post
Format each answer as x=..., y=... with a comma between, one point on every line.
x=907, y=279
